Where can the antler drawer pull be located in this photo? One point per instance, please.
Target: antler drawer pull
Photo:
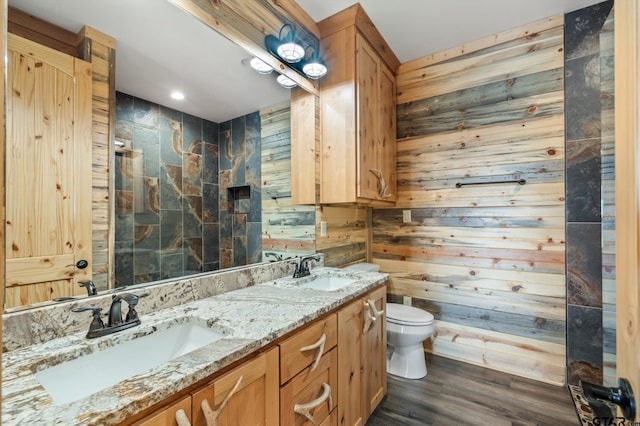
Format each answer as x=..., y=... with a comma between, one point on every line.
x=182, y=419
x=382, y=185
x=376, y=314
x=305, y=409
x=317, y=345
x=210, y=415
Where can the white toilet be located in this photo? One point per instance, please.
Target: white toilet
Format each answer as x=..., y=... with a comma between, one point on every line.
x=407, y=328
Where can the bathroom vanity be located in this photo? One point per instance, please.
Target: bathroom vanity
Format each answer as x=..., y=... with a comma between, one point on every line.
x=282, y=352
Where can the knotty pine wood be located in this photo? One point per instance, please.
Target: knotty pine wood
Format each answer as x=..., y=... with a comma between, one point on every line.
x=627, y=193
x=3, y=66
x=347, y=233
x=458, y=393
x=305, y=138
x=487, y=261
x=287, y=229
x=41, y=31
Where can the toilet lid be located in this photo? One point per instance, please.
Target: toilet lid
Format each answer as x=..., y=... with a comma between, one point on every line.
x=404, y=314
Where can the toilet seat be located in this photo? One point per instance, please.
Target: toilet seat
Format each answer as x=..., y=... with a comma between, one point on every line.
x=408, y=315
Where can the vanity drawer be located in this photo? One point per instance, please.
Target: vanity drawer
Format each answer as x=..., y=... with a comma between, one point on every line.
x=311, y=388
x=293, y=359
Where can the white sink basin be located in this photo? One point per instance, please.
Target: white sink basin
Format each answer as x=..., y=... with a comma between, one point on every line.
x=328, y=283
x=83, y=376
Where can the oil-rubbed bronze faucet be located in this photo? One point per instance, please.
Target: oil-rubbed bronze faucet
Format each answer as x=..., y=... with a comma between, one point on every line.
x=115, y=322
x=302, y=268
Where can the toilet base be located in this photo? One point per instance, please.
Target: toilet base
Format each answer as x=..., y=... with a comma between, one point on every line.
x=407, y=362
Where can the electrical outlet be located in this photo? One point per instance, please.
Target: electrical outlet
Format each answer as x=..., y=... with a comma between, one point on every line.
x=406, y=216
x=323, y=228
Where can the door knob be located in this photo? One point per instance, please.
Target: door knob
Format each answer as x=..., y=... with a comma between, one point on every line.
x=80, y=264
x=622, y=396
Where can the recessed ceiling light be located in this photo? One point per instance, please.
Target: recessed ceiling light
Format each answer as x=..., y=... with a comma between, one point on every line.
x=178, y=96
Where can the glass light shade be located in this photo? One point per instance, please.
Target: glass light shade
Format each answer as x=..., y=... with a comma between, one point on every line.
x=290, y=51
x=314, y=69
x=286, y=82
x=260, y=66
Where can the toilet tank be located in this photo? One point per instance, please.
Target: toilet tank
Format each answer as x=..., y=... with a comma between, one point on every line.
x=363, y=267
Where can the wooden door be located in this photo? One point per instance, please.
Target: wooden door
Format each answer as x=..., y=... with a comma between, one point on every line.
x=368, y=78
x=48, y=173
x=374, y=351
x=247, y=395
x=627, y=153
x=350, y=364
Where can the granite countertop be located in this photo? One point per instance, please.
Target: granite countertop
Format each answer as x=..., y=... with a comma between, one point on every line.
x=249, y=319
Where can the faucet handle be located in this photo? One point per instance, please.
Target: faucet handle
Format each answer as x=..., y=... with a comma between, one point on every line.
x=96, y=322
x=132, y=300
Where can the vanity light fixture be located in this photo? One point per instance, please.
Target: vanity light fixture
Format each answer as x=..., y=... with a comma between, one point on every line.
x=260, y=66
x=287, y=48
x=314, y=67
x=286, y=82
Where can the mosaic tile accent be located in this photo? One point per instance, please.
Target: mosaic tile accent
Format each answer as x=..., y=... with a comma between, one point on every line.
x=583, y=174
x=584, y=264
x=584, y=343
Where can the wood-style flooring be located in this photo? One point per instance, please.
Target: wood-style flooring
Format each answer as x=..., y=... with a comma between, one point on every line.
x=457, y=393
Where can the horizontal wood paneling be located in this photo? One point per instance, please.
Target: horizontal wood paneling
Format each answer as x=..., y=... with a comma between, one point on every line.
x=488, y=261
x=347, y=234
x=288, y=230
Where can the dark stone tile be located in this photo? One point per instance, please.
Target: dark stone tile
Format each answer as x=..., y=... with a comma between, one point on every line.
x=146, y=261
x=210, y=163
x=582, y=29
x=147, y=278
x=226, y=258
x=146, y=113
x=241, y=205
x=147, y=237
x=582, y=98
x=123, y=173
x=172, y=265
x=238, y=171
x=192, y=175
x=584, y=335
x=225, y=150
x=192, y=217
x=238, y=128
x=239, y=225
x=192, y=134
x=124, y=202
x=171, y=231
x=210, y=203
x=124, y=225
x=171, y=141
x=167, y=113
x=253, y=161
x=148, y=141
x=171, y=188
x=239, y=251
x=254, y=242
x=226, y=227
x=583, y=181
x=123, y=263
x=255, y=209
x=210, y=132
x=124, y=107
x=193, y=255
x=224, y=126
x=210, y=267
x=252, y=125
x=211, y=243
x=584, y=264
x=148, y=212
x=124, y=132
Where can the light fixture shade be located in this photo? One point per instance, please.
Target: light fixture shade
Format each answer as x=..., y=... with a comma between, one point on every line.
x=314, y=68
x=291, y=51
x=260, y=66
x=286, y=82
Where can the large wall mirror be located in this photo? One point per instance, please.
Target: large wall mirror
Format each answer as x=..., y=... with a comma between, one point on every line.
x=183, y=175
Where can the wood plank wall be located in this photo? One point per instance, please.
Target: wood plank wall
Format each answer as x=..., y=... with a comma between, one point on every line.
x=488, y=261
x=608, y=202
x=288, y=230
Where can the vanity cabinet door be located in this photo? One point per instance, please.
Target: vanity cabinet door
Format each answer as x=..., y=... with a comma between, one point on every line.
x=247, y=395
x=167, y=416
x=374, y=351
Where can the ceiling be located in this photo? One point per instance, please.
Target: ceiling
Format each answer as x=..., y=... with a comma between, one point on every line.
x=159, y=48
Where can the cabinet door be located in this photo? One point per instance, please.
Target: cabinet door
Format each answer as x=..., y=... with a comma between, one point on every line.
x=167, y=416
x=374, y=347
x=350, y=367
x=247, y=395
x=386, y=146
x=368, y=77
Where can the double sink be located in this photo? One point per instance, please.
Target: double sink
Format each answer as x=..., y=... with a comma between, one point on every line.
x=141, y=349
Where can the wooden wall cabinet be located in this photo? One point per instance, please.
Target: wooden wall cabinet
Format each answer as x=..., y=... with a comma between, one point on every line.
x=358, y=112
x=362, y=374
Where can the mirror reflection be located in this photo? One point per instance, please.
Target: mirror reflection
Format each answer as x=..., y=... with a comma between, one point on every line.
x=184, y=175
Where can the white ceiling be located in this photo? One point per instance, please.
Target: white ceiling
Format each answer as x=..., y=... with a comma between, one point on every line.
x=160, y=48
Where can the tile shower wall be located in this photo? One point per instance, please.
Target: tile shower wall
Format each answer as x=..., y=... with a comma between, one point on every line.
x=240, y=193
x=584, y=96
x=167, y=192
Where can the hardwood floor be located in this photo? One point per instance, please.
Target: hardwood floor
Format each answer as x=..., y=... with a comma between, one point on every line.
x=456, y=393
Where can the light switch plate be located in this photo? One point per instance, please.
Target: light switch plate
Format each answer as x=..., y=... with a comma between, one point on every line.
x=406, y=216
x=323, y=228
